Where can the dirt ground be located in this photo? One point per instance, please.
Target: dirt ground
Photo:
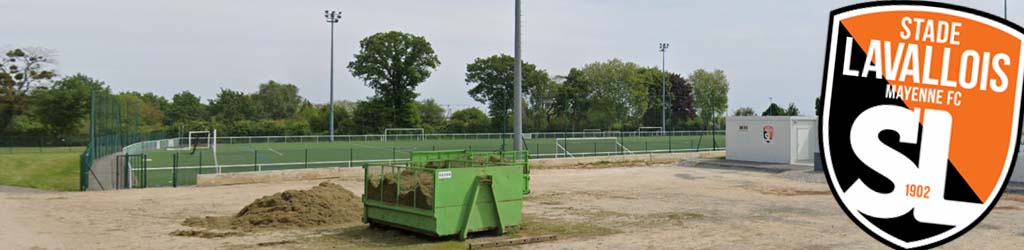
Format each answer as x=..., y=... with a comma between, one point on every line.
x=651, y=207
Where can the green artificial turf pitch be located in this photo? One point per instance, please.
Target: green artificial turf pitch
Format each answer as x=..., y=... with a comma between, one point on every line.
x=159, y=168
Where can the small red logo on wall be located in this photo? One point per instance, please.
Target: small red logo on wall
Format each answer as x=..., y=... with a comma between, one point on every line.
x=768, y=134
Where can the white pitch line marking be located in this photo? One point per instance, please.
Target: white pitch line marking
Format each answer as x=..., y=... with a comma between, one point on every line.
x=275, y=151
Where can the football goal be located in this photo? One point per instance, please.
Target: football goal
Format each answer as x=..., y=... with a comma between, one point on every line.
x=572, y=147
x=205, y=140
x=194, y=140
x=199, y=139
x=392, y=134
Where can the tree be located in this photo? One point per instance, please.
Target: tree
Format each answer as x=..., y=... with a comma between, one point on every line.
x=185, y=107
x=150, y=109
x=63, y=107
x=744, y=111
x=278, y=100
x=681, y=99
x=494, y=78
x=572, y=98
x=468, y=120
x=312, y=114
x=611, y=94
x=19, y=70
x=393, y=64
x=316, y=115
x=431, y=115
x=774, y=110
x=370, y=116
x=711, y=91
x=543, y=108
x=817, y=106
x=792, y=110
x=231, y=106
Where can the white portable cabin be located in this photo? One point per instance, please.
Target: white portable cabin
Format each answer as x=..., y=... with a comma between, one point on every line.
x=774, y=139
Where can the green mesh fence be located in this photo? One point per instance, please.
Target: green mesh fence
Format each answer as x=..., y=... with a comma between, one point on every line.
x=41, y=143
x=169, y=166
x=113, y=124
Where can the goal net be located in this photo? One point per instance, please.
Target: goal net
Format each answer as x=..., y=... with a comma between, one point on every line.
x=392, y=134
x=589, y=146
x=199, y=139
x=204, y=140
x=192, y=141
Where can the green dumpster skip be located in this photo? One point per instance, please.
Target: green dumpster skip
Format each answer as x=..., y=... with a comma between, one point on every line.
x=445, y=193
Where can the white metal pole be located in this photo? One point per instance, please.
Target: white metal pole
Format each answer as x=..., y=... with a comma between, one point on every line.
x=332, y=18
x=517, y=125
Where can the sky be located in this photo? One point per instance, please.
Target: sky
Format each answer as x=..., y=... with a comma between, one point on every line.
x=769, y=50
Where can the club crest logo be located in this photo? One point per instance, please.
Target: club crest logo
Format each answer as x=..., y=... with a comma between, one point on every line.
x=921, y=117
x=768, y=134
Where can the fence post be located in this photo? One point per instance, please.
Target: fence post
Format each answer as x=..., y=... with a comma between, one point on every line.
x=200, y=162
x=306, y=162
x=174, y=171
x=670, y=143
x=127, y=171
x=394, y=154
x=145, y=171
x=255, y=160
x=595, y=149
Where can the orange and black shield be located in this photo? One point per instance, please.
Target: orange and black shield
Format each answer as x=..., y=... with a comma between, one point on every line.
x=921, y=118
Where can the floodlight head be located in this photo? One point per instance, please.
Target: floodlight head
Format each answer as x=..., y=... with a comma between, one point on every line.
x=332, y=16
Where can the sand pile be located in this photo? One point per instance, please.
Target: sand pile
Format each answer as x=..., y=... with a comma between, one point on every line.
x=325, y=204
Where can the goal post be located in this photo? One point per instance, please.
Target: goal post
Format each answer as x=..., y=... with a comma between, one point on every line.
x=199, y=139
x=213, y=147
x=412, y=133
x=193, y=140
x=206, y=139
x=562, y=145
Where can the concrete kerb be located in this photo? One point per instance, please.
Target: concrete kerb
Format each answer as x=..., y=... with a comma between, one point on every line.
x=752, y=166
x=636, y=158
x=206, y=180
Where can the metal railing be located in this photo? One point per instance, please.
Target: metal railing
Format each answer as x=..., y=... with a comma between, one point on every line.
x=168, y=165
x=445, y=136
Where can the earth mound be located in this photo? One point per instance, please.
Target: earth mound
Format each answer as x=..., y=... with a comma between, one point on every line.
x=323, y=205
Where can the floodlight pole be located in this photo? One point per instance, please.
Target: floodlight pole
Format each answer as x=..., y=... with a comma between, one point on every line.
x=332, y=18
x=517, y=125
x=662, y=47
